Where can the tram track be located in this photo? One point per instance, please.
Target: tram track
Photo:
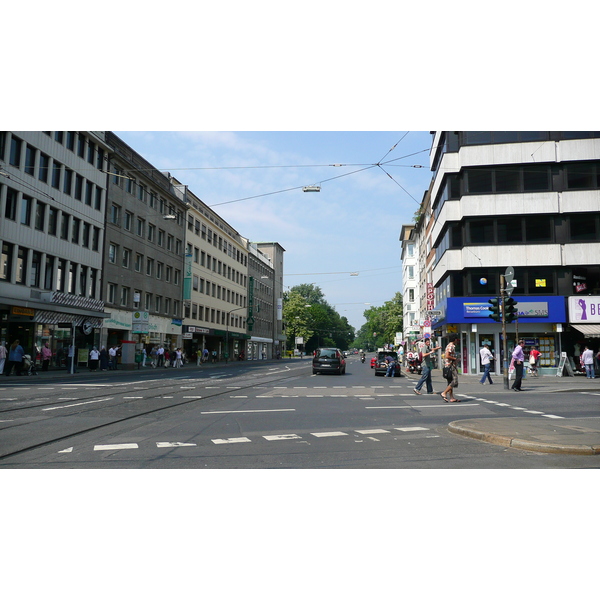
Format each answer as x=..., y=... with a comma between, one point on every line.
x=91, y=404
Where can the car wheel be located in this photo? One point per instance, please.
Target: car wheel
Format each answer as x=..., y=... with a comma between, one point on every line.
x=315, y=372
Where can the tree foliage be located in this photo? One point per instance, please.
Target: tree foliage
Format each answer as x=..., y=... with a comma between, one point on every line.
x=383, y=322
x=307, y=314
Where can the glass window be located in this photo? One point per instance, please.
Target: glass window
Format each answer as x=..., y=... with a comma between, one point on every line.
x=479, y=181
x=10, y=209
x=44, y=165
x=581, y=177
x=538, y=229
x=68, y=181
x=30, y=160
x=471, y=138
x=536, y=178
x=15, y=152
x=26, y=203
x=40, y=215
x=75, y=231
x=541, y=281
x=481, y=232
x=36, y=269
x=52, y=220
x=56, y=168
x=112, y=253
x=509, y=230
x=504, y=137
x=508, y=180
x=583, y=227
x=6, y=261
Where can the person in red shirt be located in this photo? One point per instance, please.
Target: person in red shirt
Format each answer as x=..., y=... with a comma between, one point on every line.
x=534, y=361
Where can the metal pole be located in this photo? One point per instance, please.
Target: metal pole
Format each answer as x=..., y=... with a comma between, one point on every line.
x=73, y=346
x=504, y=344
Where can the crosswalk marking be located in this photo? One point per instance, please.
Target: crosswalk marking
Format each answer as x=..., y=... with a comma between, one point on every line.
x=231, y=440
x=115, y=447
x=285, y=436
x=371, y=431
x=328, y=433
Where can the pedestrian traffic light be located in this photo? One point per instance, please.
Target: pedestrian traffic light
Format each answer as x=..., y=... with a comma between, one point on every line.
x=495, y=309
x=510, y=310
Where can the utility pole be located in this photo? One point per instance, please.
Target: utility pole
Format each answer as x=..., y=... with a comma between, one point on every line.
x=503, y=316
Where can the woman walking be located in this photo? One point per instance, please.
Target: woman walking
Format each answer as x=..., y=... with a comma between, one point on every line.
x=450, y=371
x=15, y=358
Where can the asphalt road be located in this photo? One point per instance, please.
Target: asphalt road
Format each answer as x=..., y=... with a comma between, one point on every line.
x=271, y=415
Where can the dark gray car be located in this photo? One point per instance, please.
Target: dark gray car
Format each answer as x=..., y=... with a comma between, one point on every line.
x=329, y=360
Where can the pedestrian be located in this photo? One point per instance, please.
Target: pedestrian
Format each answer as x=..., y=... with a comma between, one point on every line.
x=534, y=361
x=391, y=365
x=46, y=356
x=587, y=361
x=450, y=370
x=160, y=356
x=112, y=358
x=214, y=356
x=518, y=358
x=205, y=355
x=2, y=356
x=15, y=358
x=486, y=360
x=178, y=358
x=144, y=356
x=104, y=364
x=94, y=359
x=427, y=362
x=199, y=357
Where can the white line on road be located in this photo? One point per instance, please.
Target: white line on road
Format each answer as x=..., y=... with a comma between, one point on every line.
x=78, y=404
x=371, y=431
x=428, y=406
x=115, y=447
x=227, y=412
x=66, y=450
x=285, y=436
x=172, y=444
x=329, y=433
x=193, y=397
x=412, y=428
x=553, y=416
x=231, y=440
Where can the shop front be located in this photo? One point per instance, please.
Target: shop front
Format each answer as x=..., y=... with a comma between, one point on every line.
x=71, y=320
x=540, y=323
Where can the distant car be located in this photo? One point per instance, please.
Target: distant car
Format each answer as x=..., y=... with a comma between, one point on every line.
x=328, y=360
x=381, y=366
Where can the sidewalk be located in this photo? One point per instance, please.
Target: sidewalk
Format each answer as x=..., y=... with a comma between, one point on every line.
x=560, y=436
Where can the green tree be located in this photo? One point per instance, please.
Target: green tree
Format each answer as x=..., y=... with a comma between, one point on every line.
x=307, y=314
x=383, y=322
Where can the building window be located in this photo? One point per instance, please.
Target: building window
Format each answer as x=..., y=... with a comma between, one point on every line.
x=56, y=169
x=115, y=214
x=68, y=181
x=124, y=296
x=89, y=189
x=26, y=203
x=148, y=302
x=75, y=231
x=140, y=227
x=159, y=270
x=139, y=259
x=111, y=292
x=161, y=237
x=49, y=272
x=96, y=239
x=30, y=160
x=52, y=220
x=15, y=152
x=44, y=166
x=128, y=223
x=6, y=261
x=112, y=253
x=10, y=210
x=85, y=241
x=126, y=258
x=150, y=267
x=21, y=265
x=151, y=230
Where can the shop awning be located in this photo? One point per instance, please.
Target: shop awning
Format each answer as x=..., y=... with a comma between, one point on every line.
x=588, y=330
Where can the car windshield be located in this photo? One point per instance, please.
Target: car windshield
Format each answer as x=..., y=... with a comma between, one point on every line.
x=327, y=353
x=382, y=355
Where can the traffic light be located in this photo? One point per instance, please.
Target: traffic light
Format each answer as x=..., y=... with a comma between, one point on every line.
x=495, y=309
x=510, y=310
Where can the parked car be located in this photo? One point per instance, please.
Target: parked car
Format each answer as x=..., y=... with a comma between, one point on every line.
x=328, y=360
x=381, y=365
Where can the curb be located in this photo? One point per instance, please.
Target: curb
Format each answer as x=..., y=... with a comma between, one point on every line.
x=521, y=444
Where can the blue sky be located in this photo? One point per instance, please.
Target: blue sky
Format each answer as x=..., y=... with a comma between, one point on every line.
x=352, y=225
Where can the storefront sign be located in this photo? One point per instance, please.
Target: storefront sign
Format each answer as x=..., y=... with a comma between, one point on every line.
x=19, y=310
x=584, y=309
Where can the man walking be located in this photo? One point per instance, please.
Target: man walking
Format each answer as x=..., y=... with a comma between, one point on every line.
x=160, y=356
x=518, y=359
x=486, y=358
x=587, y=360
x=427, y=364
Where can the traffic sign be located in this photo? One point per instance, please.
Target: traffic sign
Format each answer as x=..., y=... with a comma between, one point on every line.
x=426, y=323
x=434, y=313
x=509, y=274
